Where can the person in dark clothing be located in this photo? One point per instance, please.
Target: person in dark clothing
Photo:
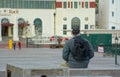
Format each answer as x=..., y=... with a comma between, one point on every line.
x=14, y=45
x=67, y=56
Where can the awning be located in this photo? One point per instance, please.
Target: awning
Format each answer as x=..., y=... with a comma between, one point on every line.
x=7, y=24
x=23, y=24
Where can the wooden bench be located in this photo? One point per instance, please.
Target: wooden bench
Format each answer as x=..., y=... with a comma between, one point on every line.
x=29, y=70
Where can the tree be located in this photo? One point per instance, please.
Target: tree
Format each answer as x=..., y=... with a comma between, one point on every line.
x=97, y=3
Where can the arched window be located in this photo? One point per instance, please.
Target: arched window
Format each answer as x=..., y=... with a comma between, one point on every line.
x=4, y=20
x=38, y=26
x=38, y=22
x=75, y=23
x=5, y=27
x=21, y=20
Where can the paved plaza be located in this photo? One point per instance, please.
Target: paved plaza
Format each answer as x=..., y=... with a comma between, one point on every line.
x=48, y=57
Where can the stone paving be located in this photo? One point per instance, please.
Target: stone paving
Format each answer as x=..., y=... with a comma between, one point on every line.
x=48, y=56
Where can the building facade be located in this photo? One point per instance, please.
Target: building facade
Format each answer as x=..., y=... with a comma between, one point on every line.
x=109, y=17
x=32, y=18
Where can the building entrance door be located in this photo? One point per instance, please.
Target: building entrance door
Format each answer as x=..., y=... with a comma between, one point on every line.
x=4, y=30
x=7, y=27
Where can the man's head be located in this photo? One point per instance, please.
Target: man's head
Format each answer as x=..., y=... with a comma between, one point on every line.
x=75, y=31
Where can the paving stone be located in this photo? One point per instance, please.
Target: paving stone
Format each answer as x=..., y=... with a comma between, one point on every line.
x=47, y=56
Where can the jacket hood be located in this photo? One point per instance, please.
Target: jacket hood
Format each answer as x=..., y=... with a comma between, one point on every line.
x=79, y=39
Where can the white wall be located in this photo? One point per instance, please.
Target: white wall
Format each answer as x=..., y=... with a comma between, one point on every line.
x=106, y=20
x=103, y=15
x=47, y=17
x=70, y=14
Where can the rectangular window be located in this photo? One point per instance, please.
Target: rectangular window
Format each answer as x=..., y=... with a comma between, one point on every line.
x=20, y=3
x=86, y=26
x=59, y=5
x=64, y=4
x=29, y=4
x=112, y=14
x=1, y=3
x=68, y=4
x=92, y=4
x=113, y=27
x=64, y=28
x=9, y=3
x=79, y=4
x=75, y=5
x=41, y=4
x=64, y=32
x=86, y=4
x=112, y=1
x=82, y=4
x=71, y=4
x=26, y=4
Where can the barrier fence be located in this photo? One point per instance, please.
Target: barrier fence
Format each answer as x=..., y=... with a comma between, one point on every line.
x=112, y=49
x=38, y=42
x=108, y=47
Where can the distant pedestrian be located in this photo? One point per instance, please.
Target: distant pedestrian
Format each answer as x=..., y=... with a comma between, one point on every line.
x=14, y=45
x=10, y=42
x=19, y=45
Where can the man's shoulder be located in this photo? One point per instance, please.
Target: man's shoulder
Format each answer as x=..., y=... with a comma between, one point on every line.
x=69, y=41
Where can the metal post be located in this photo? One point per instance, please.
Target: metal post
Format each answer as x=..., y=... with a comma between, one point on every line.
x=55, y=28
x=27, y=42
x=54, y=24
x=116, y=57
x=116, y=42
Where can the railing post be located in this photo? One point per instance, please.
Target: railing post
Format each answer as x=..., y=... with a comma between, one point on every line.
x=27, y=42
x=116, y=57
x=116, y=42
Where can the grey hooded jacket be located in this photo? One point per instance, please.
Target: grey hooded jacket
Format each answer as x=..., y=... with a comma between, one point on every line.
x=72, y=63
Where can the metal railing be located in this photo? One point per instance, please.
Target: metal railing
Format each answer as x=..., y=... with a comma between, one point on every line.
x=45, y=40
x=112, y=49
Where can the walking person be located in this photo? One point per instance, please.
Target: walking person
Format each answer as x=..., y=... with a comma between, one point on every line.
x=19, y=45
x=14, y=45
x=77, y=51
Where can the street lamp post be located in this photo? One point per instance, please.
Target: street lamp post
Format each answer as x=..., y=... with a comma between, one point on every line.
x=116, y=43
x=54, y=23
x=27, y=42
x=55, y=28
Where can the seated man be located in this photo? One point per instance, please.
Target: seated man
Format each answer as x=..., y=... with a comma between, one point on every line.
x=77, y=51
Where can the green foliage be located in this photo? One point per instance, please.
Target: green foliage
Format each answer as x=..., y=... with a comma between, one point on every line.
x=97, y=1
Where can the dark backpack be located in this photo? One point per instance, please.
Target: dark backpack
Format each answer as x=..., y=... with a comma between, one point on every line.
x=79, y=50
